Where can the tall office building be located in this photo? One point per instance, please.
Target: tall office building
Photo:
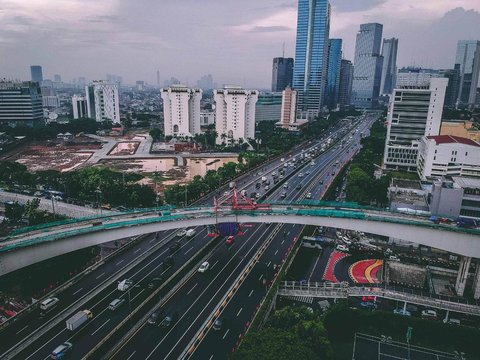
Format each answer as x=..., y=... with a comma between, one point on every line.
x=234, y=114
x=268, y=107
x=57, y=78
x=311, y=53
x=368, y=65
x=181, y=111
x=205, y=82
x=468, y=62
x=389, y=68
x=288, y=114
x=333, y=72
x=345, y=84
x=453, y=76
x=36, y=73
x=415, y=111
x=282, y=73
x=20, y=103
x=102, y=101
x=79, y=106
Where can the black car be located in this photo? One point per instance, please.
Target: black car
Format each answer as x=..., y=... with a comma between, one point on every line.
x=153, y=318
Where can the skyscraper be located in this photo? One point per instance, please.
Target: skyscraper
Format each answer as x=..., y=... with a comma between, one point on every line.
x=20, y=103
x=345, y=85
x=102, y=101
x=181, y=110
x=333, y=72
x=36, y=72
x=282, y=73
x=57, y=78
x=311, y=53
x=389, y=68
x=368, y=65
x=79, y=106
x=468, y=61
x=453, y=76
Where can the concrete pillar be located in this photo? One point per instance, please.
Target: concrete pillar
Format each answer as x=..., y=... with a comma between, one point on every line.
x=462, y=275
x=476, y=282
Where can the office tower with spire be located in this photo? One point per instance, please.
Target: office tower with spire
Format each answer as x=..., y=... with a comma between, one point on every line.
x=333, y=72
x=368, y=66
x=311, y=54
x=468, y=62
x=389, y=68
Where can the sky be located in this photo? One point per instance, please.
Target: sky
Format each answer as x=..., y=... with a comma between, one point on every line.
x=233, y=40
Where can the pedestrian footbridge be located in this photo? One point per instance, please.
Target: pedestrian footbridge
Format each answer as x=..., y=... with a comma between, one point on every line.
x=33, y=244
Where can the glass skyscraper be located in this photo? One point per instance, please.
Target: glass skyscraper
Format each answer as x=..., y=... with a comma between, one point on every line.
x=368, y=65
x=311, y=53
x=36, y=72
x=468, y=61
x=333, y=72
x=282, y=73
x=389, y=69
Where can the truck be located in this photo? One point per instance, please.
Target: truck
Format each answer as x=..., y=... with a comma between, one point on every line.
x=78, y=319
x=124, y=285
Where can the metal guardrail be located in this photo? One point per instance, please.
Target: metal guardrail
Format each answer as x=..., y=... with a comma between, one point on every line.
x=343, y=291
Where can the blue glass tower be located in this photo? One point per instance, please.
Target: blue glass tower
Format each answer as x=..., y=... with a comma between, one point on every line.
x=311, y=53
x=333, y=72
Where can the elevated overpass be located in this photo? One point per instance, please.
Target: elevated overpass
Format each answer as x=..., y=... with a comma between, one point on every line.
x=47, y=241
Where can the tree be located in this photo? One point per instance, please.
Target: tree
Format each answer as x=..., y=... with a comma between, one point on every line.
x=359, y=186
x=156, y=134
x=14, y=212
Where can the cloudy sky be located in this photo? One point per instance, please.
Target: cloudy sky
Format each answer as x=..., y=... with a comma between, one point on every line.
x=233, y=40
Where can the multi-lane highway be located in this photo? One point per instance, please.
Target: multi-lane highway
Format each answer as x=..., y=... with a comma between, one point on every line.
x=194, y=301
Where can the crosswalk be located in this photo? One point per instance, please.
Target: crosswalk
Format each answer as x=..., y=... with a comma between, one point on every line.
x=303, y=299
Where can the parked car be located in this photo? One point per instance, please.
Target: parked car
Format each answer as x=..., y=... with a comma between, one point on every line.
x=429, y=314
x=368, y=305
x=204, y=267
x=400, y=311
x=308, y=196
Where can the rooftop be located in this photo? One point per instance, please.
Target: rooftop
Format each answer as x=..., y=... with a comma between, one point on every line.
x=449, y=139
x=406, y=184
x=466, y=182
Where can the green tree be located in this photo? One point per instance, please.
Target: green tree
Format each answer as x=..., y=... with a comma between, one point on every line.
x=14, y=212
x=359, y=186
x=156, y=134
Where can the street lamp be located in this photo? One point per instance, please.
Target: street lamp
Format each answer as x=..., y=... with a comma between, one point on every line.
x=98, y=193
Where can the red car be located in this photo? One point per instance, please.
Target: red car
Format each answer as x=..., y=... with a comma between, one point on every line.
x=229, y=240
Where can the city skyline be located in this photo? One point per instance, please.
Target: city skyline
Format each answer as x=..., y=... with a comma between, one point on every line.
x=138, y=46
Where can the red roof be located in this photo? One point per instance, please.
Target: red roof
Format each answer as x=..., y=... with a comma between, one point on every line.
x=448, y=139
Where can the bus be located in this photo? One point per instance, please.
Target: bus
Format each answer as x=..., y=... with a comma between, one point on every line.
x=314, y=242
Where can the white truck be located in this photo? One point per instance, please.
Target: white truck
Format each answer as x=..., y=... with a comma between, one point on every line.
x=190, y=233
x=78, y=319
x=124, y=285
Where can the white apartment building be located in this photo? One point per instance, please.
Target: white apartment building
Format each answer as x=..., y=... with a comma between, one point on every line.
x=181, y=111
x=415, y=110
x=234, y=114
x=448, y=155
x=79, y=106
x=102, y=101
x=207, y=118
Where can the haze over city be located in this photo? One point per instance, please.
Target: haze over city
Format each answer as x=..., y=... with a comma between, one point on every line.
x=232, y=40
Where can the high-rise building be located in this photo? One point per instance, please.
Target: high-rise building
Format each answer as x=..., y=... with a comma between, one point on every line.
x=282, y=73
x=468, y=62
x=453, y=76
x=311, y=53
x=205, y=82
x=36, y=72
x=368, y=65
x=288, y=114
x=102, y=101
x=20, y=103
x=414, y=111
x=333, y=72
x=234, y=114
x=345, y=85
x=79, y=106
x=389, y=68
x=140, y=85
x=181, y=111
x=57, y=78
x=268, y=106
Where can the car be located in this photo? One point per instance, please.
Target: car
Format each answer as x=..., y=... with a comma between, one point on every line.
x=307, y=172
x=181, y=232
x=368, y=305
x=342, y=248
x=115, y=304
x=284, y=194
x=298, y=187
x=61, y=351
x=285, y=186
x=190, y=233
x=393, y=258
x=267, y=188
x=167, y=321
x=257, y=196
x=274, y=173
x=153, y=319
x=217, y=325
x=452, y=321
x=403, y=312
x=175, y=246
x=429, y=314
x=204, y=267
x=300, y=175
x=230, y=240
x=308, y=196
x=257, y=185
x=282, y=159
x=282, y=176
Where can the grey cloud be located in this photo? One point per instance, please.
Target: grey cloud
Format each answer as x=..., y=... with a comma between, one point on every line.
x=264, y=29
x=355, y=5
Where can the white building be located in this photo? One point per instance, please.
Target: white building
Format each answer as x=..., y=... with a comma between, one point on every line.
x=181, y=110
x=235, y=114
x=448, y=155
x=51, y=101
x=102, y=101
x=79, y=105
x=415, y=110
x=207, y=118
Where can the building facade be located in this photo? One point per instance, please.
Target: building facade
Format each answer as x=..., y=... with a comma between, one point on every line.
x=467, y=61
x=51, y=101
x=414, y=111
x=36, y=73
x=345, y=84
x=207, y=118
x=268, y=107
x=282, y=73
x=389, y=68
x=102, y=101
x=448, y=155
x=289, y=108
x=453, y=76
x=234, y=114
x=79, y=106
x=20, y=103
x=311, y=53
x=333, y=72
x=181, y=111
x=368, y=65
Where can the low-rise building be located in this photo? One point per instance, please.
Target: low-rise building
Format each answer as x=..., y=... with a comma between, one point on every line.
x=462, y=128
x=407, y=196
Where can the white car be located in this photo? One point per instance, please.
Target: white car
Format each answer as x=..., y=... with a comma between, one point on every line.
x=342, y=248
x=204, y=267
x=308, y=196
x=300, y=175
x=282, y=159
x=181, y=232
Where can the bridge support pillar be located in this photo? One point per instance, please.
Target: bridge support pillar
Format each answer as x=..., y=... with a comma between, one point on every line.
x=462, y=275
x=476, y=282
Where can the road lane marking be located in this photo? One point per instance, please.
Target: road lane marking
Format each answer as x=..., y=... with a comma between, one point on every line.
x=133, y=353
x=138, y=294
x=19, y=331
x=193, y=287
x=121, y=261
x=186, y=252
x=276, y=252
x=260, y=278
x=251, y=292
x=268, y=265
x=76, y=292
x=239, y=311
x=211, y=267
x=225, y=335
x=282, y=241
x=99, y=276
x=101, y=326
x=314, y=266
x=136, y=251
x=211, y=357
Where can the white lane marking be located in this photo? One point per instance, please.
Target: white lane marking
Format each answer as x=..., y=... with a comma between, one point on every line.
x=211, y=267
x=225, y=335
x=138, y=294
x=99, y=276
x=121, y=261
x=186, y=252
x=314, y=266
x=260, y=278
x=76, y=292
x=276, y=252
x=133, y=353
x=268, y=265
x=282, y=241
x=239, y=311
x=19, y=331
x=101, y=326
x=136, y=251
x=251, y=292
x=211, y=357
x=152, y=240
x=193, y=287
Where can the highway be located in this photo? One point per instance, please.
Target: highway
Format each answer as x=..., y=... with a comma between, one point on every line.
x=202, y=287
